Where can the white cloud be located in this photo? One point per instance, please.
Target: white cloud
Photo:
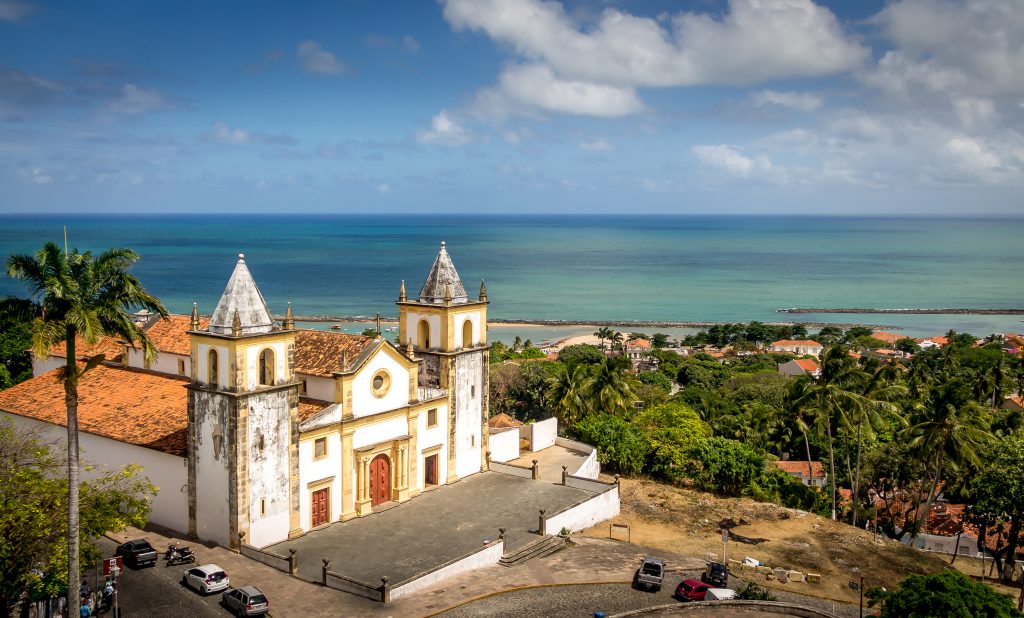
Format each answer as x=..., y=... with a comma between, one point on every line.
x=753, y=42
x=537, y=87
x=971, y=156
x=597, y=145
x=35, y=175
x=411, y=43
x=384, y=188
x=132, y=99
x=14, y=11
x=226, y=134
x=730, y=159
x=316, y=59
x=802, y=101
x=445, y=131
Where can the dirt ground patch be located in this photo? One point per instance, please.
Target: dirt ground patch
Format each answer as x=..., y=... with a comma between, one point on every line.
x=688, y=522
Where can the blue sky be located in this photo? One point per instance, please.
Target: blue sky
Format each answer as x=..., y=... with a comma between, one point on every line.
x=784, y=106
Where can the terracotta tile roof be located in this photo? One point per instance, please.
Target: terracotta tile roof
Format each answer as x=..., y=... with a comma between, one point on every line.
x=128, y=405
x=800, y=467
x=171, y=335
x=308, y=407
x=885, y=352
x=885, y=337
x=791, y=342
x=807, y=364
x=106, y=345
x=318, y=352
x=639, y=343
x=501, y=420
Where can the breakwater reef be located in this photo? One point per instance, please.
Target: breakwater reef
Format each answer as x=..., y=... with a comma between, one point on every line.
x=907, y=311
x=624, y=324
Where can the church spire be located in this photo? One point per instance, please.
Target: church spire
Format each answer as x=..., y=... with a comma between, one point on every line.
x=236, y=325
x=443, y=276
x=447, y=293
x=289, y=319
x=194, y=324
x=401, y=292
x=241, y=299
x=483, y=291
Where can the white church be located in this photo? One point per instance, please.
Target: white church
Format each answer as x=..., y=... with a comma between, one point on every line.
x=257, y=432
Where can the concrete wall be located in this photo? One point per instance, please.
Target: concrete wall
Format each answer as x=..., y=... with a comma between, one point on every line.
x=212, y=491
x=504, y=468
x=165, y=362
x=489, y=555
x=168, y=472
x=584, y=515
x=504, y=444
x=427, y=438
x=946, y=544
x=311, y=471
x=43, y=365
x=540, y=435
x=590, y=468
x=469, y=396
x=317, y=387
x=268, y=468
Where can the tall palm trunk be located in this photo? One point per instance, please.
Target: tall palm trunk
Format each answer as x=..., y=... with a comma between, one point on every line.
x=810, y=469
x=918, y=521
x=832, y=468
x=71, y=401
x=856, y=478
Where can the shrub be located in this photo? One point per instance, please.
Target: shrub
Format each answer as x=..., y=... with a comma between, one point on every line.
x=753, y=592
x=949, y=593
x=619, y=443
x=723, y=466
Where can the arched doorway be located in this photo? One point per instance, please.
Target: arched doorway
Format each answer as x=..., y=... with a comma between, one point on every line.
x=380, y=480
x=423, y=335
x=467, y=334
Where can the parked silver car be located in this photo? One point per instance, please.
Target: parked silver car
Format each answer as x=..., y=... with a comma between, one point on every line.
x=206, y=579
x=246, y=601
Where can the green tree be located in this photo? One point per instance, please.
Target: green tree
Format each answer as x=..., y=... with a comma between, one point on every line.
x=616, y=340
x=369, y=332
x=949, y=594
x=33, y=543
x=655, y=378
x=79, y=294
x=15, y=340
x=620, y=444
x=567, y=394
x=659, y=340
x=671, y=429
x=999, y=491
x=723, y=466
x=907, y=346
x=582, y=353
x=603, y=334
x=610, y=389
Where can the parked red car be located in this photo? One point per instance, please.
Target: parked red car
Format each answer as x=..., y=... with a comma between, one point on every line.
x=691, y=590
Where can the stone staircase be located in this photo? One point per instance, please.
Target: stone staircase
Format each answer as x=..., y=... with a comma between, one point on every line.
x=544, y=546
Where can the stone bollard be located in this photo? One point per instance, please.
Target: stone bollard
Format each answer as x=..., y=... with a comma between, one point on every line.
x=536, y=470
x=327, y=563
x=542, y=524
x=564, y=472
x=241, y=540
x=293, y=562
x=501, y=534
x=617, y=480
x=488, y=456
x=385, y=590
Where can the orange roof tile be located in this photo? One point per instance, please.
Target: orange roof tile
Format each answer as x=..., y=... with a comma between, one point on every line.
x=800, y=467
x=639, y=343
x=501, y=420
x=171, y=335
x=885, y=352
x=308, y=407
x=107, y=346
x=318, y=352
x=807, y=364
x=128, y=405
x=790, y=342
x=885, y=337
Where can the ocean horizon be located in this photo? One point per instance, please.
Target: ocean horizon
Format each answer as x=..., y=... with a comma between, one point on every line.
x=673, y=268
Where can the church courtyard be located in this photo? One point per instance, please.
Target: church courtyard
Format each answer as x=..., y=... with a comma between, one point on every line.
x=438, y=526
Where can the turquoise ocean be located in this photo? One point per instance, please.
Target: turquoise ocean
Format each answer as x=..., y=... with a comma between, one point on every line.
x=664, y=268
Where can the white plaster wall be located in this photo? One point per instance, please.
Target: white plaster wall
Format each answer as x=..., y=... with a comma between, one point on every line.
x=252, y=363
x=544, y=434
x=474, y=318
x=318, y=387
x=379, y=432
x=203, y=355
x=582, y=516
x=412, y=323
x=43, y=365
x=212, y=512
x=168, y=472
x=363, y=401
x=504, y=445
x=469, y=395
x=164, y=363
x=311, y=471
x=486, y=557
x=268, y=468
x=430, y=437
x=590, y=468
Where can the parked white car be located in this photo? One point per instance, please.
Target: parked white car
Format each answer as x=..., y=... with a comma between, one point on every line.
x=206, y=579
x=719, y=594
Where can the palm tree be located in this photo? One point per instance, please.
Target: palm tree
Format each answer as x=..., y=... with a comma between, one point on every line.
x=77, y=294
x=950, y=427
x=610, y=390
x=567, y=392
x=616, y=339
x=603, y=334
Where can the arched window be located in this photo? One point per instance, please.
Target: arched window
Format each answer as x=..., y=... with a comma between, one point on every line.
x=211, y=368
x=423, y=335
x=267, y=367
x=467, y=334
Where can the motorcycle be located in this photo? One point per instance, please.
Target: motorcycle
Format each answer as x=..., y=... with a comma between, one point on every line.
x=179, y=555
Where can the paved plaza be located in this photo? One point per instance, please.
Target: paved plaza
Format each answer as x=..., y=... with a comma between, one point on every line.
x=431, y=529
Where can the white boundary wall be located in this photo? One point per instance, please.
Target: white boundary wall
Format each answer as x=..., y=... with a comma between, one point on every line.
x=504, y=444
x=590, y=468
x=540, y=435
x=168, y=472
x=488, y=556
x=586, y=514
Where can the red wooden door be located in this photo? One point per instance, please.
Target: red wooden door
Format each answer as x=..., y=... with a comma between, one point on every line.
x=380, y=480
x=321, y=510
x=430, y=470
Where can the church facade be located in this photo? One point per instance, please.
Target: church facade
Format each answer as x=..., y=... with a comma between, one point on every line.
x=280, y=430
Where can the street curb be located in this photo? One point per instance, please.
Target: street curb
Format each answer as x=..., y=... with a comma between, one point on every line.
x=526, y=587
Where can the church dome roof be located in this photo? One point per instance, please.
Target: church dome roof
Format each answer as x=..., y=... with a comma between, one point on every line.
x=241, y=297
x=443, y=281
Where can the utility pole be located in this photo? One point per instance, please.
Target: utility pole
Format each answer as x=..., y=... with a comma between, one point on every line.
x=860, y=612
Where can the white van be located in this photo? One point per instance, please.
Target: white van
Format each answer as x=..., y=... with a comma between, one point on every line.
x=720, y=594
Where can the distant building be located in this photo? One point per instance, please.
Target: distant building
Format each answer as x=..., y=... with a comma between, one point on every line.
x=638, y=352
x=799, y=469
x=800, y=347
x=931, y=342
x=800, y=367
x=887, y=338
